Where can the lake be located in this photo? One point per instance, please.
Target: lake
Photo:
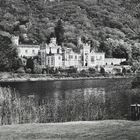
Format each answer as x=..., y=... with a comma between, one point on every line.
x=76, y=100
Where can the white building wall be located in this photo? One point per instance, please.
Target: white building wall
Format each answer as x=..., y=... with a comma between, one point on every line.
x=28, y=51
x=114, y=61
x=91, y=58
x=43, y=57
x=100, y=59
x=71, y=59
x=50, y=61
x=58, y=61
x=53, y=47
x=54, y=60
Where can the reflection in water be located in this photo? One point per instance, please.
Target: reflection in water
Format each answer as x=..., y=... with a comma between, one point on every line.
x=80, y=104
x=58, y=101
x=98, y=93
x=85, y=94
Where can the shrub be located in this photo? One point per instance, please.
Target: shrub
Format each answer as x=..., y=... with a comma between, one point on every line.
x=102, y=70
x=38, y=70
x=20, y=70
x=84, y=73
x=28, y=70
x=129, y=71
x=91, y=70
x=72, y=70
x=124, y=71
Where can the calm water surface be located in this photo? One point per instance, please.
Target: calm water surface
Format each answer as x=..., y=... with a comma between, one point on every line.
x=48, y=88
x=90, y=99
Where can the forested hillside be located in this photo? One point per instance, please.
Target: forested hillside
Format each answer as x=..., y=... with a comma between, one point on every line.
x=95, y=20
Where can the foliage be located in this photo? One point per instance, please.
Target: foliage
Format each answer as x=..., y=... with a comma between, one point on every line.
x=30, y=64
x=20, y=70
x=37, y=70
x=79, y=105
x=116, y=48
x=72, y=70
x=59, y=32
x=102, y=70
x=92, y=70
x=28, y=70
x=36, y=21
x=8, y=55
x=124, y=70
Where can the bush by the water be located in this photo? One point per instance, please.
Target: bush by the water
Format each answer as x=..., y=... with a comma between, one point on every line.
x=16, y=110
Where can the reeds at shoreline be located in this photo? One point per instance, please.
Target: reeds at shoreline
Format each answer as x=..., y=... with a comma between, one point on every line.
x=17, y=109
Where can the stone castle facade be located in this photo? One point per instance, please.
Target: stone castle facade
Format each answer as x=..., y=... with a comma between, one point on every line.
x=53, y=55
x=56, y=56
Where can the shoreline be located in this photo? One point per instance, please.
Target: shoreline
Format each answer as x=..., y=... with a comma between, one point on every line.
x=31, y=79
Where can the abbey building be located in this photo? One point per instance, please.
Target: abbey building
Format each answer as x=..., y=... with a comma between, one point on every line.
x=53, y=55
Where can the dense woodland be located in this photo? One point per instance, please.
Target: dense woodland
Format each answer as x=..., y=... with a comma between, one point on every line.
x=112, y=26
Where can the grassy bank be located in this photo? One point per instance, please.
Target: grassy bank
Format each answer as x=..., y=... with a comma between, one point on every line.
x=96, y=130
x=23, y=77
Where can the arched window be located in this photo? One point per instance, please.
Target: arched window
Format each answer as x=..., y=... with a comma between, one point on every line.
x=33, y=51
x=58, y=51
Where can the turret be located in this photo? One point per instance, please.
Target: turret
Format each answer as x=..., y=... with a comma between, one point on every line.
x=53, y=40
x=86, y=54
x=79, y=41
x=15, y=40
x=86, y=48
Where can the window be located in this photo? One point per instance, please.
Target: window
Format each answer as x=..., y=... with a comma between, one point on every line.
x=100, y=57
x=70, y=56
x=52, y=60
x=97, y=58
x=92, y=58
x=75, y=56
x=59, y=58
x=43, y=54
x=26, y=51
x=33, y=51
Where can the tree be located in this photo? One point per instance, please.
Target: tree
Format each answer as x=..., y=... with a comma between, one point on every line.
x=102, y=71
x=30, y=64
x=124, y=70
x=8, y=55
x=59, y=32
x=105, y=47
x=136, y=51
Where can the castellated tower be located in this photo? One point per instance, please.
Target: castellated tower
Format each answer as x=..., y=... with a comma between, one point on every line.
x=86, y=54
x=15, y=40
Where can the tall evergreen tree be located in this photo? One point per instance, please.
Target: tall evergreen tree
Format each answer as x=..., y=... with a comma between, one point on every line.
x=8, y=55
x=59, y=32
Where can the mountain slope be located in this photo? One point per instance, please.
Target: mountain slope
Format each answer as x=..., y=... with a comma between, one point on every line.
x=96, y=20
